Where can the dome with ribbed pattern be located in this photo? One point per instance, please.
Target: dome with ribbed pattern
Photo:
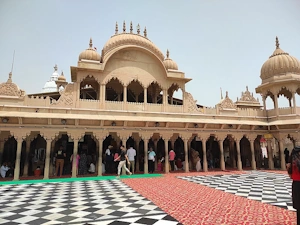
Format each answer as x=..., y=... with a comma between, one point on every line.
x=279, y=63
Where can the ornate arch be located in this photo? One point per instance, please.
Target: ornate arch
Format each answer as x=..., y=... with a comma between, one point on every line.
x=112, y=52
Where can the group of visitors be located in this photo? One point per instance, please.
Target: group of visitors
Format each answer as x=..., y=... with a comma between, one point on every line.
x=115, y=160
x=85, y=163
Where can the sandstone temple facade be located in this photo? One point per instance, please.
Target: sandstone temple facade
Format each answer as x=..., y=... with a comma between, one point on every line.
x=125, y=95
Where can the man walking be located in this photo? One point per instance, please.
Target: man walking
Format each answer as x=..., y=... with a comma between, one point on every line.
x=123, y=158
x=131, y=153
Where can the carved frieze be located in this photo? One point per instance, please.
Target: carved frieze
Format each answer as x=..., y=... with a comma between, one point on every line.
x=227, y=103
x=190, y=103
x=66, y=98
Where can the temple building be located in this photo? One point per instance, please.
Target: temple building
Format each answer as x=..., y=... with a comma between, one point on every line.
x=125, y=95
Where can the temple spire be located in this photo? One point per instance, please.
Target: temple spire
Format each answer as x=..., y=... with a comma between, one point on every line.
x=168, y=53
x=277, y=42
x=117, y=28
x=221, y=94
x=131, y=29
x=138, y=29
x=91, y=43
x=145, y=32
x=124, y=27
x=9, y=77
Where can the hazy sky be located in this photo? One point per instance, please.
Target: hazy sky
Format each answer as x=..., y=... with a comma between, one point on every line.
x=216, y=43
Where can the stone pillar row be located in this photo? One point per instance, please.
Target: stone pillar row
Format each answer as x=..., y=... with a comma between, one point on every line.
x=50, y=137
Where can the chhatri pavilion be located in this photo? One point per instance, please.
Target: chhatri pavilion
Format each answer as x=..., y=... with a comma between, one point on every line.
x=125, y=95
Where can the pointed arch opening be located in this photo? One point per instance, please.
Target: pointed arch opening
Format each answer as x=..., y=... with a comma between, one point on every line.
x=135, y=92
x=175, y=95
x=89, y=88
x=153, y=93
x=114, y=90
x=283, y=95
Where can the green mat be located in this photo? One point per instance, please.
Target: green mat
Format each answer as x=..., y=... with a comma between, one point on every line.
x=77, y=179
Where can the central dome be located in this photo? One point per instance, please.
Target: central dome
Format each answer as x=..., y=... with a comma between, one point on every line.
x=279, y=63
x=124, y=38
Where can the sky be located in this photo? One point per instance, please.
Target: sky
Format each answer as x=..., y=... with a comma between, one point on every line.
x=219, y=44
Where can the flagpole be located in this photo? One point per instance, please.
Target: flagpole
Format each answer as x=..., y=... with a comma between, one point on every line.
x=12, y=66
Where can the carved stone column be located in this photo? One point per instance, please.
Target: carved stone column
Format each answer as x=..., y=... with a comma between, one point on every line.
x=294, y=104
x=100, y=137
x=166, y=137
x=276, y=105
x=146, y=136
x=19, y=135
x=253, y=162
x=222, y=160
x=282, y=158
x=145, y=99
x=47, y=160
x=186, y=154
x=270, y=155
x=137, y=148
x=27, y=152
x=156, y=152
x=238, y=149
x=205, y=166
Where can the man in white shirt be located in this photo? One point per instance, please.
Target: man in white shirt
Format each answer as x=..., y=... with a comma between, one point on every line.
x=131, y=153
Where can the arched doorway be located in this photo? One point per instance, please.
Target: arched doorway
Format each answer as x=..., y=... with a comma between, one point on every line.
x=246, y=157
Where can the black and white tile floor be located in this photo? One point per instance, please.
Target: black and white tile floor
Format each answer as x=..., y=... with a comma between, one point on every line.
x=266, y=187
x=84, y=202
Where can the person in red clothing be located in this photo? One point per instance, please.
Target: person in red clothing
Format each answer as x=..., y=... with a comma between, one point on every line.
x=293, y=168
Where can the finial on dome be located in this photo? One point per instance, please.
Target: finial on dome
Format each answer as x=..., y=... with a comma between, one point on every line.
x=55, y=68
x=221, y=94
x=145, y=32
x=117, y=28
x=168, y=53
x=277, y=42
x=9, y=77
x=91, y=42
x=124, y=27
x=138, y=29
x=131, y=29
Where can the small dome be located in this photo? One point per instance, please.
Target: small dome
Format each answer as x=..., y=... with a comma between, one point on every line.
x=62, y=77
x=50, y=86
x=90, y=53
x=169, y=63
x=279, y=63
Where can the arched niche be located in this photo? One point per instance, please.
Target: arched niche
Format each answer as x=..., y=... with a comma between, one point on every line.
x=89, y=88
x=114, y=90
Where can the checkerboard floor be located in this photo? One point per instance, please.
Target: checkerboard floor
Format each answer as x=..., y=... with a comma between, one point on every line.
x=270, y=188
x=83, y=202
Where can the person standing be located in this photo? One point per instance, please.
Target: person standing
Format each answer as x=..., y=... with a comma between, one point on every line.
x=60, y=156
x=131, y=153
x=123, y=158
x=151, y=160
x=172, y=156
x=293, y=168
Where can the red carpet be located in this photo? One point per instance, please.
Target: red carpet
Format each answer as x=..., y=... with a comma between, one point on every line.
x=192, y=204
